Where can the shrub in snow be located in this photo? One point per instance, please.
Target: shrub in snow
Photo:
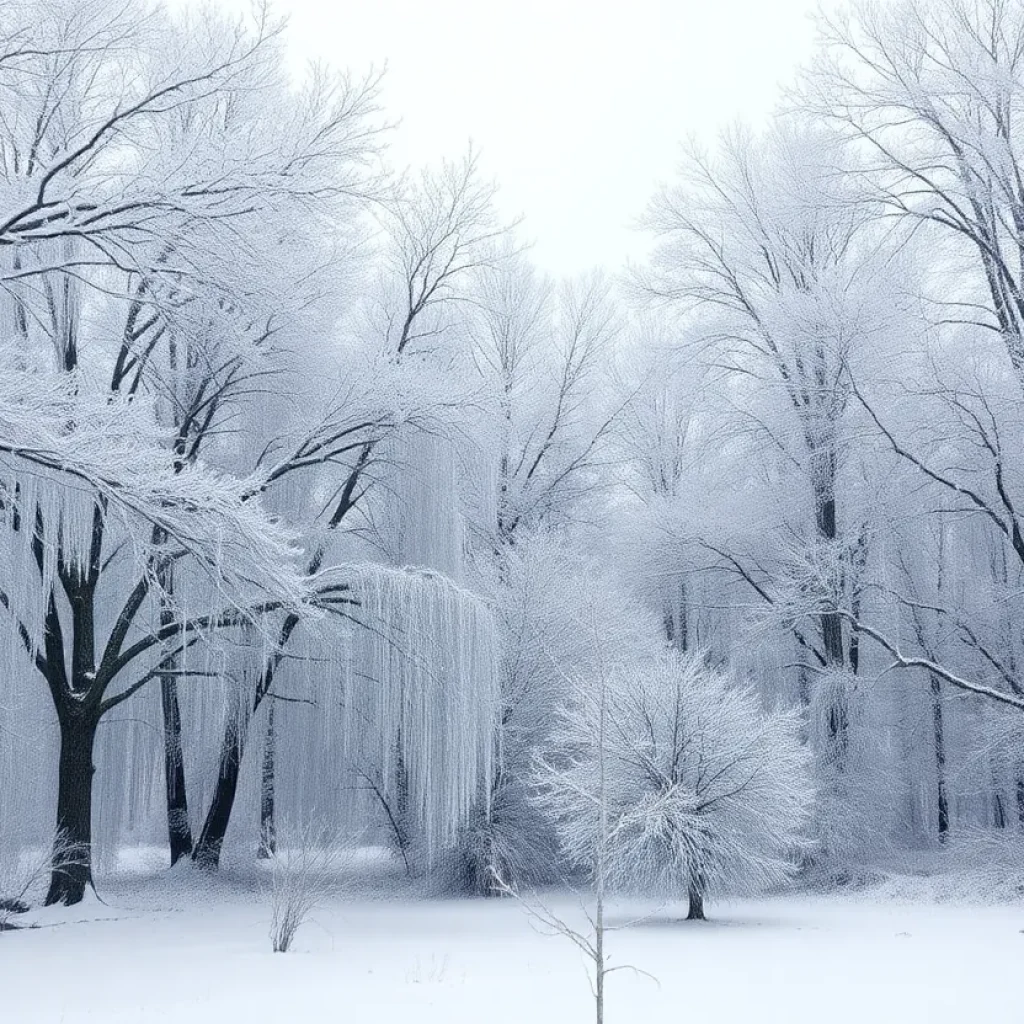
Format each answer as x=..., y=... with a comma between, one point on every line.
x=680, y=778
x=305, y=872
x=976, y=866
x=25, y=873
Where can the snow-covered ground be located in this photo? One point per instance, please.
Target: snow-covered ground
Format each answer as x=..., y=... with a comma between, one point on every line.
x=157, y=952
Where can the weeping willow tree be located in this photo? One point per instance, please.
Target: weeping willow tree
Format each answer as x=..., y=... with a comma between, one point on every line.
x=425, y=690
x=399, y=673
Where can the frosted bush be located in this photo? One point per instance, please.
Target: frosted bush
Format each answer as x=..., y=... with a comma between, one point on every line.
x=704, y=789
x=307, y=871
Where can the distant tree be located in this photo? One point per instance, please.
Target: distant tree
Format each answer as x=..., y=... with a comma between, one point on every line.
x=544, y=352
x=775, y=274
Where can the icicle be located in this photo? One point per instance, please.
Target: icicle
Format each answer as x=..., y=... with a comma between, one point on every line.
x=423, y=523
x=415, y=680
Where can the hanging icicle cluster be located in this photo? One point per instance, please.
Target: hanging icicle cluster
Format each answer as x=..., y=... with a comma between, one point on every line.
x=421, y=693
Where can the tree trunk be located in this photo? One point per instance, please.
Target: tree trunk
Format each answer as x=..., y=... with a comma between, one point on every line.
x=677, y=630
x=837, y=713
x=268, y=833
x=939, y=733
x=71, y=869
x=696, y=895
x=803, y=683
x=831, y=622
x=825, y=524
x=998, y=810
x=208, y=848
x=406, y=825
x=858, y=564
x=179, y=832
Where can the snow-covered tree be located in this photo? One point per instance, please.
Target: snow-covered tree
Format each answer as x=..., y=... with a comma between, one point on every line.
x=128, y=275
x=543, y=352
x=930, y=92
x=372, y=482
x=776, y=279
x=682, y=779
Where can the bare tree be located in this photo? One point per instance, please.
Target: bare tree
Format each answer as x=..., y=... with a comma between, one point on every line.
x=982, y=487
x=443, y=230
x=543, y=349
x=20, y=880
x=931, y=91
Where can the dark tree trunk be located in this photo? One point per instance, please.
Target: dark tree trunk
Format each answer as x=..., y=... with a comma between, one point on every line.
x=179, y=832
x=939, y=734
x=403, y=817
x=858, y=565
x=831, y=622
x=854, y=651
x=696, y=895
x=1020, y=798
x=268, y=833
x=998, y=810
x=677, y=630
x=208, y=847
x=837, y=714
x=803, y=682
x=71, y=869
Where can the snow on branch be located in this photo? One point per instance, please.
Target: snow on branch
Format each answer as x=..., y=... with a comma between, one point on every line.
x=62, y=450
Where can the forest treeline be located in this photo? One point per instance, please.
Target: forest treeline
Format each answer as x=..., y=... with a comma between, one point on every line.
x=319, y=500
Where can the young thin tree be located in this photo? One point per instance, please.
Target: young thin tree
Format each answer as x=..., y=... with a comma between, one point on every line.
x=591, y=939
x=307, y=872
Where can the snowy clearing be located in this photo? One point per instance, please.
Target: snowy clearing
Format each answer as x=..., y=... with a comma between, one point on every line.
x=359, y=568
x=207, y=958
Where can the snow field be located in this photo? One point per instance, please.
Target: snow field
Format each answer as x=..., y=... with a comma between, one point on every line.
x=207, y=959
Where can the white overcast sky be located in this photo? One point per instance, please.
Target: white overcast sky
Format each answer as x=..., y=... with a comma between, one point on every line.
x=577, y=107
